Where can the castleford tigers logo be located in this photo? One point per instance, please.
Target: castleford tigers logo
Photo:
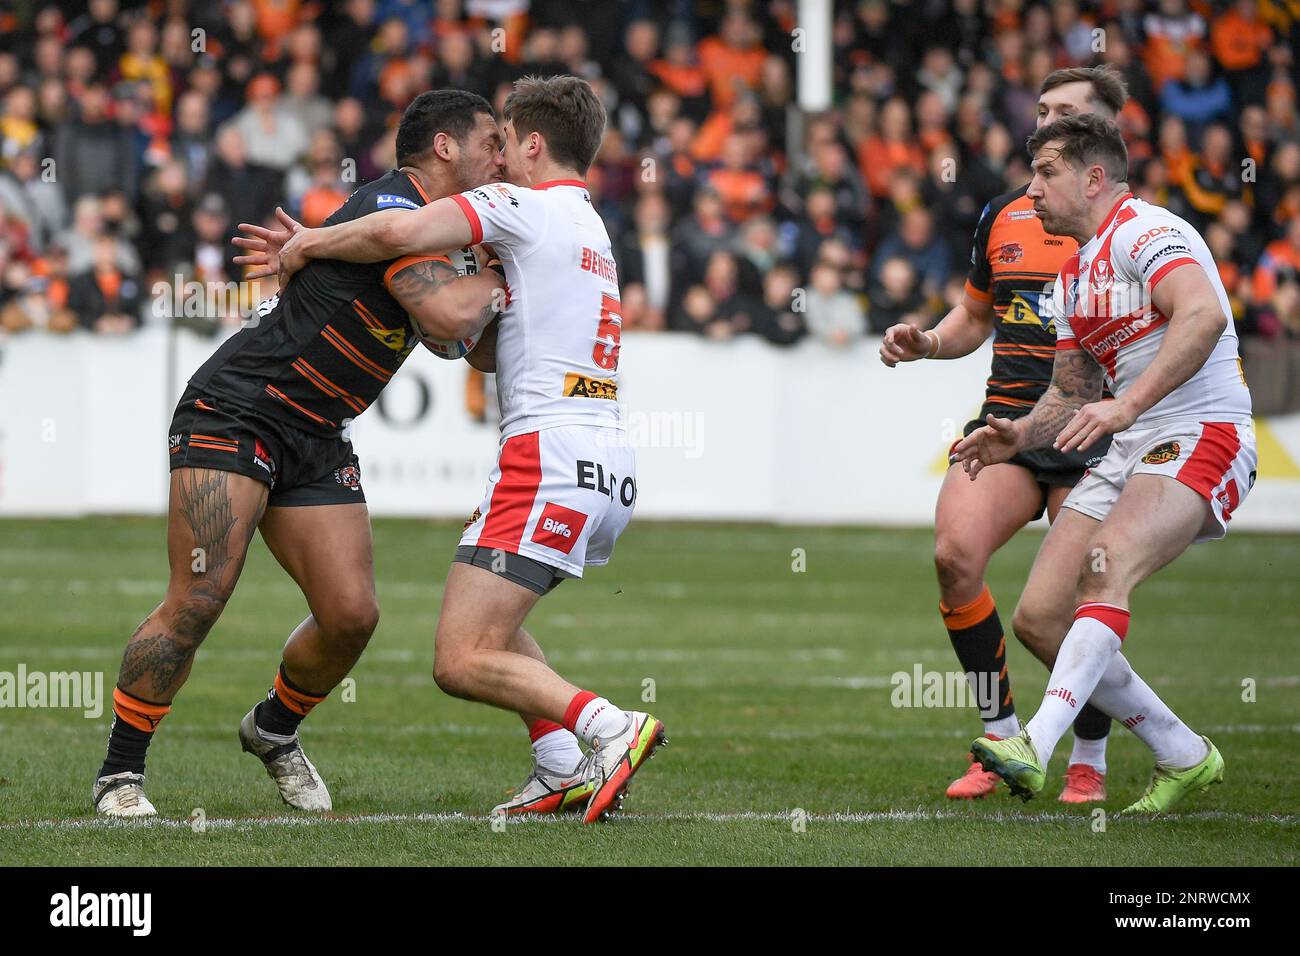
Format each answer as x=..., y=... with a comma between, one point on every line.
x=1163, y=454
x=349, y=476
x=1010, y=252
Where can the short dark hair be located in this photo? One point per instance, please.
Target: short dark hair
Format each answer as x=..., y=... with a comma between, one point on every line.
x=1108, y=86
x=454, y=112
x=1085, y=139
x=565, y=110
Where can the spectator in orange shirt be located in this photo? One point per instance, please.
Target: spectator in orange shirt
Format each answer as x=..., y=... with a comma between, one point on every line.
x=105, y=299
x=892, y=148
x=1172, y=32
x=744, y=190
x=680, y=72
x=931, y=122
x=1279, y=263
x=1223, y=247
x=1239, y=40
x=732, y=60
x=1213, y=177
x=324, y=196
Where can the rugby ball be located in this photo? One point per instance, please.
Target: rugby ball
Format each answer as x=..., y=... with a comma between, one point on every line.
x=466, y=263
x=450, y=350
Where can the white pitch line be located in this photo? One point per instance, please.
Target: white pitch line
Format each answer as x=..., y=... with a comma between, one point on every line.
x=863, y=731
x=883, y=816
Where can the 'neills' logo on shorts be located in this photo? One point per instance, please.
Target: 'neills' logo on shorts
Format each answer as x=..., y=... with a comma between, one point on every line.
x=1163, y=454
x=579, y=386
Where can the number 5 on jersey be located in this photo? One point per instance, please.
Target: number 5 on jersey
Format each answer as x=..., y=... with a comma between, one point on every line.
x=608, y=333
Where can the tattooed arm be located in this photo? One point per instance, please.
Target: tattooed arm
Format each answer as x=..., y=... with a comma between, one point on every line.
x=445, y=304
x=1076, y=383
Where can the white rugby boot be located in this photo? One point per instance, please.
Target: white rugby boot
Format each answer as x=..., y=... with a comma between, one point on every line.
x=121, y=795
x=299, y=784
x=551, y=791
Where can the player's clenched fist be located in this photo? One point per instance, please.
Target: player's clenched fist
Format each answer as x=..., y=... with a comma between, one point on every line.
x=905, y=343
x=996, y=442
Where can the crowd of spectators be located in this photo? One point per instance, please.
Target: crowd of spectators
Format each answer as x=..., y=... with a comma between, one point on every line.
x=134, y=136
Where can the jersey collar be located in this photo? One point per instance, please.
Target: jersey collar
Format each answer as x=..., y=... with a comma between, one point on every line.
x=1110, y=217
x=561, y=182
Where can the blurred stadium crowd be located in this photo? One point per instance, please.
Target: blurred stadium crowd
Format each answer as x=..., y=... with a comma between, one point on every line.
x=134, y=136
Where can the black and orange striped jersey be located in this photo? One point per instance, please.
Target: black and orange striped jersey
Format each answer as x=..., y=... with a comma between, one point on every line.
x=1014, y=265
x=320, y=353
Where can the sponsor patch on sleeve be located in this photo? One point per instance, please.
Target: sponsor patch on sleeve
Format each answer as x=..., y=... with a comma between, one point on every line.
x=384, y=200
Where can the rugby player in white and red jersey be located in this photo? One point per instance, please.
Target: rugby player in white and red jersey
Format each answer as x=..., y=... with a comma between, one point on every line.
x=1014, y=265
x=565, y=481
x=1141, y=308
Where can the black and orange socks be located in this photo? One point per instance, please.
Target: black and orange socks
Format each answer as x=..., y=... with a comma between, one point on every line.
x=134, y=721
x=285, y=706
x=976, y=634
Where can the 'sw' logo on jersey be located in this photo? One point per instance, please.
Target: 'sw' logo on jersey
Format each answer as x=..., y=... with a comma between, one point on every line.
x=395, y=339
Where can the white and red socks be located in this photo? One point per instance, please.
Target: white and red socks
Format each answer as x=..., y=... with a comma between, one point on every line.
x=554, y=747
x=1003, y=727
x=1090, y=752
x=1126, y=697
x=1095, y=637
x=589, y=717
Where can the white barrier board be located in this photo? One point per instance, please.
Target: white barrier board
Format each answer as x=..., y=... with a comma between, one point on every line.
x=724, y=430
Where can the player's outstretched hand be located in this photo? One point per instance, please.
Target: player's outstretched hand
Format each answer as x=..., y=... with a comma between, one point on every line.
x=998, y=441
x=1092, y=422
x=266, y=246
x=904, y=343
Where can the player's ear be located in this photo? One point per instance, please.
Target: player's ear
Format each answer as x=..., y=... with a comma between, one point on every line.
x=445, y=147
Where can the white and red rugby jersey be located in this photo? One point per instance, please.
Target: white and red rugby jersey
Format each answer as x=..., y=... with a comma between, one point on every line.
x=558, y=340
x=1103, y=305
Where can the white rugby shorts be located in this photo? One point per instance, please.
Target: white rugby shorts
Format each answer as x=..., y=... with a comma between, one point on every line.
x=561, y=496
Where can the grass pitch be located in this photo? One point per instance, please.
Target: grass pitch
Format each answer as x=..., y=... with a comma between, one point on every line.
x=774, y=686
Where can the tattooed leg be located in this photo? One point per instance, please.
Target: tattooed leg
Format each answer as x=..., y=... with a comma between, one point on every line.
x=211, y=520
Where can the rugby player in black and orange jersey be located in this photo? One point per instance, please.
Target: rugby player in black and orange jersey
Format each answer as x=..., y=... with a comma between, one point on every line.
x=1008, y=290
x=257, y=444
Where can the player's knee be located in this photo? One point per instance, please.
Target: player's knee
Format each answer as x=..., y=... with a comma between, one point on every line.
x=955, y=564
x=451, y=674
x=192, y=617
x=351, y=624
x=1038, y=629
